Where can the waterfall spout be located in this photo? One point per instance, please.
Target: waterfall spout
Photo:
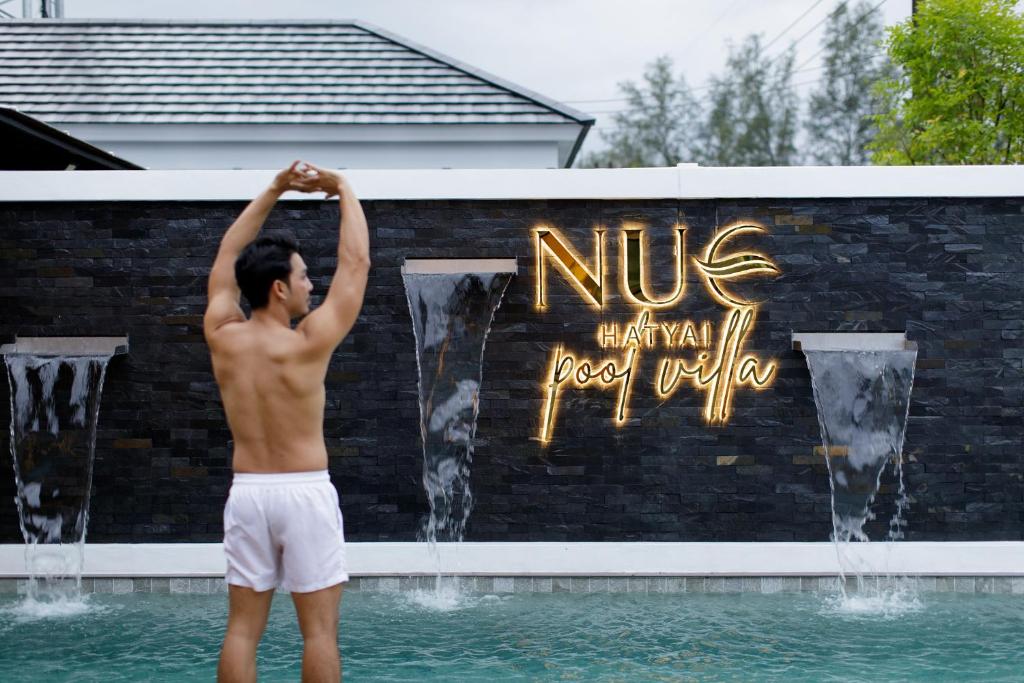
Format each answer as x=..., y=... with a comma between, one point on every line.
x=861, y=385
x=55, y=388
x=452, y=303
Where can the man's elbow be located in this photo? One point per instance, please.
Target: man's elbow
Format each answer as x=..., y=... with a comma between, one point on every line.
x=357, y=261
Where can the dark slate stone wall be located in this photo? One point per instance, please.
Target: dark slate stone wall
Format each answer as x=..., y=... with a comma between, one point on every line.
x=948, y=271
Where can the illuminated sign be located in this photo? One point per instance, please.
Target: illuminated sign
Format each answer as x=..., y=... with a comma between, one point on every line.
x=690, y=353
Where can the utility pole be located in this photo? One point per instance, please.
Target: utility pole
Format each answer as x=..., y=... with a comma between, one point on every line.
x=47, y=9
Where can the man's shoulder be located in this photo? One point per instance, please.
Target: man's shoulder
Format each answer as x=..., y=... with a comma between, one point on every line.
x=242, y=337
x=228, y=336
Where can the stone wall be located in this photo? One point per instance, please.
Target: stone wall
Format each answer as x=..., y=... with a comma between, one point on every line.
x=948, y=271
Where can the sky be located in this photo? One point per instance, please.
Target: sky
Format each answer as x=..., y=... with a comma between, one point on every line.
x=574, y=51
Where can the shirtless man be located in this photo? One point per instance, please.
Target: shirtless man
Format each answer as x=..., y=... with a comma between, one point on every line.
x=282, y=522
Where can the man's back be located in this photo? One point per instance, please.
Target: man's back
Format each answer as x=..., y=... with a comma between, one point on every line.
x=283, y=527
x=271, y=376
x=272, y=387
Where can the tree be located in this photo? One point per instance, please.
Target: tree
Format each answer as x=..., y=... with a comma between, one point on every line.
x=753, y=113
x=840, y=113
x=656, y=129
x=958, y=95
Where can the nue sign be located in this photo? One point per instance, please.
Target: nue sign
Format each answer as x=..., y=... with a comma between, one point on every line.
x=690, y=352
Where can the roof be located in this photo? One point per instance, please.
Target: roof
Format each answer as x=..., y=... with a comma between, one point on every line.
x=238, y=72
x=31, y=145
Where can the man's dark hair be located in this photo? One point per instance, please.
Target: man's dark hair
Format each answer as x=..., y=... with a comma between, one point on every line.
x=261, y=263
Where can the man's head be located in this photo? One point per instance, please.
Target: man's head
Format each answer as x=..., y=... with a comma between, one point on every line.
x=271, y=272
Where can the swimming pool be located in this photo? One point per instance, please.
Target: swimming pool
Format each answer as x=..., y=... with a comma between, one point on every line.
x=420, y=635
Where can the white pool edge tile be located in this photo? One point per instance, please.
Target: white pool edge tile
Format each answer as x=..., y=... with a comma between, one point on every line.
x=755, y=560
x=506, y=568
x=507, y=585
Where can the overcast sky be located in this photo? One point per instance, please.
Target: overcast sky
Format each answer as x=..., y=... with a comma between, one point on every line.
x=575, y=51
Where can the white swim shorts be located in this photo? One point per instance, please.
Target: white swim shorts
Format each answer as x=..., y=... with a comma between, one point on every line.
x=284, y=530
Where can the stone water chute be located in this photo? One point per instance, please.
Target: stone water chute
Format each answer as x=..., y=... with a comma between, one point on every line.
x=861, y=384
x=452, y=303
x=56, y=384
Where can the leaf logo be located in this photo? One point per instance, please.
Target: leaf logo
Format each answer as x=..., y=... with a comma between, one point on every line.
x=733, y=267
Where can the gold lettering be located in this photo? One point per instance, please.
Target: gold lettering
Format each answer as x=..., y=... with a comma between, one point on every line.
x=633, y=269
x=626, y=375
x=608, y=335
x=719, y=377
x=562, y=370
x=632, y=336
x=748, y=373
x=732, y=267
x=717, y=372
x=589, y=283
x=559, y=373
x=583, y=372
x=716, y=410
x=689, y=336
x=669, y=332
x=649, y=329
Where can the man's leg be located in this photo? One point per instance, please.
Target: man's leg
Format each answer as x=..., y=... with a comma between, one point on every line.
x=318, y=621
x=247, y=617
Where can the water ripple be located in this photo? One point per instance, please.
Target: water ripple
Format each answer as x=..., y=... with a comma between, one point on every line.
x=531, y=637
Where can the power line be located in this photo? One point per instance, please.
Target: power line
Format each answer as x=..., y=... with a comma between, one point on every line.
x=794, y=85
x=706, y=86
x=856, y=23
x=811, y=30
x=720, y=17
x=799, y=69
x=710, y=26
x=613, y=99
x=795, y=22
x=704, y=32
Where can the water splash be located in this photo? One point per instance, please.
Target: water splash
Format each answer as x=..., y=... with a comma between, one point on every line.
x=887, y=597
x=52, y=607
x=54, y=409
x=862, y=399
x=451, y=314
x=448, y=595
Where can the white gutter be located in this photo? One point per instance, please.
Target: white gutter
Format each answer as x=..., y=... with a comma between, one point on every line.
x=983, y=558
x=683, y=182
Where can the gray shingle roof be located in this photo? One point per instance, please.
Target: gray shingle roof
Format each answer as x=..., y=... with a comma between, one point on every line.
x=336, y=72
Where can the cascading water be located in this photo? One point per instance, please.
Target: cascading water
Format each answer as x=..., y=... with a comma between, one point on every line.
x=862, y=398
x=55, y=404
x=451, y=311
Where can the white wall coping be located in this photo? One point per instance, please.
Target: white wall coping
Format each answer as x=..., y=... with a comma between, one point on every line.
x=67, y=346
x=983, y=558
x=850, y=341
x=682, y=182
x=448, y=266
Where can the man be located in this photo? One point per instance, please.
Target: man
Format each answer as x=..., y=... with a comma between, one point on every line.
x=282, y=522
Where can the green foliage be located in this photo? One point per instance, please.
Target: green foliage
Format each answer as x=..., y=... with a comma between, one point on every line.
x=841, y=110
x=752, y=119
x=656, y=127
x=958, y=97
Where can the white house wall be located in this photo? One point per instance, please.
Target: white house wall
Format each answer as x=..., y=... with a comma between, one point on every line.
x=239, y=155
x=173, y=147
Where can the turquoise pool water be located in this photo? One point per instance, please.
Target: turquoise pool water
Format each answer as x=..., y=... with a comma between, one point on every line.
x=545, y=637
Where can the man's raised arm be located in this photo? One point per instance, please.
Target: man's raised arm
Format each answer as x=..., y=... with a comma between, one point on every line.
x=222, y=291
x=327, y=326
